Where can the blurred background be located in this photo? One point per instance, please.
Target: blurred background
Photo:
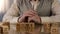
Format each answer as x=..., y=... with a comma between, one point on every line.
x=4, y=6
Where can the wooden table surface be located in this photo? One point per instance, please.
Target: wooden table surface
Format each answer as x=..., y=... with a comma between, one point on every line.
x=13, y=29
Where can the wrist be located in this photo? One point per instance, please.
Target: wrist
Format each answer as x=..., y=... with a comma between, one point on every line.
x=18, y=19
x=40, y=20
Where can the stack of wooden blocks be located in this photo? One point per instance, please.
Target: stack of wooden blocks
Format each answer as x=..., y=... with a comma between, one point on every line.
x=4, y=28
x=51, y=28
x=25, y=27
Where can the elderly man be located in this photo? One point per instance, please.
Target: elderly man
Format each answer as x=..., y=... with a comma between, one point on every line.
x=37, y=11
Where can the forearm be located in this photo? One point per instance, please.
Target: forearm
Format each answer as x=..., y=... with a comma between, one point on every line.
x=10, y=19
x=46, y=19
x=52, y=19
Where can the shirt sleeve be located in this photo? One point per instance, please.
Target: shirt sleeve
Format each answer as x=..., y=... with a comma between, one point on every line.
x=12, y=14
x=55, y=10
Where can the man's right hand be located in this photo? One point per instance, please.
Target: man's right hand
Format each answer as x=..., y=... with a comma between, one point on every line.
x=29, y=13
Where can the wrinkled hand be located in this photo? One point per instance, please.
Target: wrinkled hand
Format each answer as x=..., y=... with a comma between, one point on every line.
x=35, y=19
x=28, y=14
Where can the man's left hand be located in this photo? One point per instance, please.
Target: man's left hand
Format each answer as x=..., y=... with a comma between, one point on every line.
x=34, y=18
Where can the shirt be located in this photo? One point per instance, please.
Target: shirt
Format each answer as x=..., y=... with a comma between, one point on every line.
x=12, y=13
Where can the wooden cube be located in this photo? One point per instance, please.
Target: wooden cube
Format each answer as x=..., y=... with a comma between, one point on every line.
x=6, y=24
x=25, y=27
x=47, y=27
x=1, y=30
x=4, y=29
x=54, y=28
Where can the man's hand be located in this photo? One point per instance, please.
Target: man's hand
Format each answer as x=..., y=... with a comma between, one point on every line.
x=35, y=19
x=29, y=13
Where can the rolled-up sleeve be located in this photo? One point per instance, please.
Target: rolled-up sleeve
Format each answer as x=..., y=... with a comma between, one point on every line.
x=12, y=14
x=55, y=10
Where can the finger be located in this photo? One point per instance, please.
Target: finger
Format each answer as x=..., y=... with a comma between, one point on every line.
x=36, y=19
x=28, y=15
x=30, y=12
x=21, y=19
x=30, y=20
x=33, y=11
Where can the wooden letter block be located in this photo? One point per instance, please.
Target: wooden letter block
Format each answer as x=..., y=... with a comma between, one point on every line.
x=46, y=27
x=25, y=27
x=6, y=24
x=1, y=30
x=54, y=29
x=4, y=29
